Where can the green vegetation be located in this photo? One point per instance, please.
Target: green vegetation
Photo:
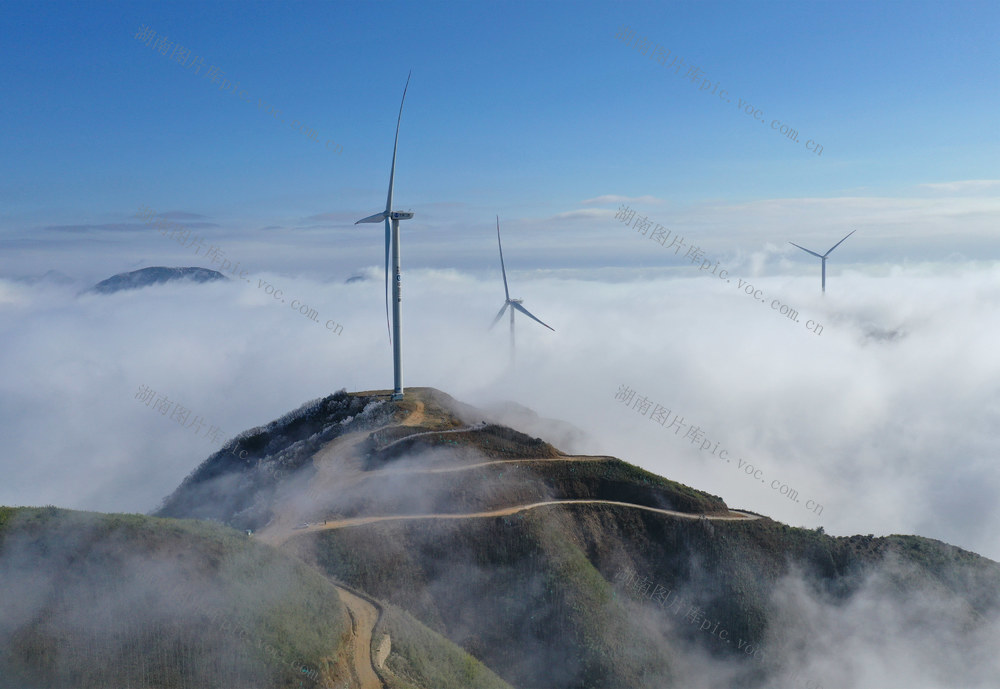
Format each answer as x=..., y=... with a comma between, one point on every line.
x=541, y=584
x=534, y=596
x=490, y=442
x=500, y=485
x=128, y=600
x=613, y=479
x=422, y=658
x=505, y=589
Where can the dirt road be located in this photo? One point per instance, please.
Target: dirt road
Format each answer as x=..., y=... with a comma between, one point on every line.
x=343, y=451
x=733, y=515
x=463, y=429
x=416, y=417
x=466, y=467
x=364, y=615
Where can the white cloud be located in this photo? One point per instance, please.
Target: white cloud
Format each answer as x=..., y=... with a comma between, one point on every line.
x=887, y=418
x=615, y=198
x=583, y=213
x=964, y=186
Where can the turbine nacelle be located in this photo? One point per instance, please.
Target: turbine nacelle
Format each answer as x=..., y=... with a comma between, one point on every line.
x=401, y=215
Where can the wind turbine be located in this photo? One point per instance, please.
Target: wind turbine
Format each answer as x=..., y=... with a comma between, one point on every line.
x=392, y=219
x=514, y=304
x=823, y=257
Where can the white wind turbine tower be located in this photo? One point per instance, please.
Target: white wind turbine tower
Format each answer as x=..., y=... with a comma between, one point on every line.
x=392, y=219
x=514, y=304
x=823, y=257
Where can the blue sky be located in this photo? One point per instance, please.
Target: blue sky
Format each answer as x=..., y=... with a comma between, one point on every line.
x=537, y=113
x=526, y=110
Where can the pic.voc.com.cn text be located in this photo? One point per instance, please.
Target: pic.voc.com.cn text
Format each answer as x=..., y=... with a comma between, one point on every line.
x=695, y=255
x=694, y=75
x=657, y=413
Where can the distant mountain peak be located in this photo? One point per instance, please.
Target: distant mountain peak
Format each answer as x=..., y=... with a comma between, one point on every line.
x=144, y=277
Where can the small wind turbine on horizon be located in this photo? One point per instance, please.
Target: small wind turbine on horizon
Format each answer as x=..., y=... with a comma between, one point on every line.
x=514, y=304
x=392, y=219
x=823, y=257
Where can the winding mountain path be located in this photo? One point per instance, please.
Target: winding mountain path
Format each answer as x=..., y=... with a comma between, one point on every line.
x=363, y=613
x=733, y=516
x=466, y=467
x=463, y=429
x=364, y=616
x=415, y=417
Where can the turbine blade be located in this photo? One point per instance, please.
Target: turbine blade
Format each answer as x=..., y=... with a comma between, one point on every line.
x=378, y=217
x=527, y=313
x=392, y=170
x=806, y=250
x=500, y=315
x=387, y=236
x=840, y=242
x=502, y=269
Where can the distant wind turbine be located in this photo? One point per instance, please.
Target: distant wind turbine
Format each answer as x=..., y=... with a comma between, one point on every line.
x=823, y=257
x=392, y=219
x=514, y=304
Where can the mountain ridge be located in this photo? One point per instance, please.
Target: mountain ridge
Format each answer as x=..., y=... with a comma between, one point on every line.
x=430, y=480
x=154, y=275
x=463, y=553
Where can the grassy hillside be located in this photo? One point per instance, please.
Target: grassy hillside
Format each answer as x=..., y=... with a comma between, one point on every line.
x=584, y=596
x=496, y=486
x=513, y=591
x=563, y=596
x=121, y=600
x=422, y=658
x=94, y=600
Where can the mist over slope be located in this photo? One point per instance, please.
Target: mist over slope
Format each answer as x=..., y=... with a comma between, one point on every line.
x=863, y=425
x=235, y=484
x=95, y=601
x=419, y=543
x=577, y=571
